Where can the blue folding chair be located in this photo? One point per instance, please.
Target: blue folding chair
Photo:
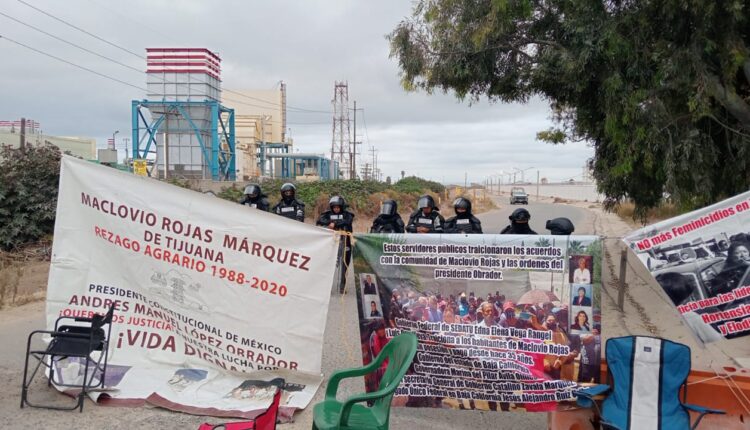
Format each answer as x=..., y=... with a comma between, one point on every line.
x=645, y=375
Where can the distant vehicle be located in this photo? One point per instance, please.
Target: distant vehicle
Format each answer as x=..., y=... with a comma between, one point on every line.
x=518, y=195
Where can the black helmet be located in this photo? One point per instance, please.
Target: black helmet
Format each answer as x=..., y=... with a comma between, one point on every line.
x=337, y=201
x=560, y=226
x=520, y=215
x=288, y=187
x=389, y=207
x=426, y=201
x=462, y=203
x=252, y=190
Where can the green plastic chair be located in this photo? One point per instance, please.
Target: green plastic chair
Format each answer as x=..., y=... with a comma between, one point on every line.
x=331, y=414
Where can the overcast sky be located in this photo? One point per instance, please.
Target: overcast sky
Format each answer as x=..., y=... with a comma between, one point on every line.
x=307, y=44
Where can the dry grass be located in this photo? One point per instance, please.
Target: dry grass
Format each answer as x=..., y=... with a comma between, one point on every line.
x=10, y=275
x=23, y=273
x=626, y=211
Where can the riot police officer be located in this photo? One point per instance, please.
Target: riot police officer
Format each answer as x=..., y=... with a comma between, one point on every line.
x=519, y=223
x=426, y=218
x=254, y=198
x=338, y=218
x=560, y=226
x=388, y=221
x=464, y=221
x=289, y=206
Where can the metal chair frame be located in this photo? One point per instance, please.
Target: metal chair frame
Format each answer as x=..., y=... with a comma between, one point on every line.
x=97, y=341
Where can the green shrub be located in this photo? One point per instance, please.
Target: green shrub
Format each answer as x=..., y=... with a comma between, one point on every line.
x=363, y=197
x=413, y=184
x=28, y=193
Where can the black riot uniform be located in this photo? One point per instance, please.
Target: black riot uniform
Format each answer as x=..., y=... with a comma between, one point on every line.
x=429, y=219
x=289, y=206
x=341, y=221
x=388, y=221
x=560, y=226
x=519, y=223
x=464, y=221
x=255, y=198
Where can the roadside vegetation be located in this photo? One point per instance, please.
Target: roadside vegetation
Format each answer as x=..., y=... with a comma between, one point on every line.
x=666, y=210
x=28, y=194
x=660, y=90
x=362, y=197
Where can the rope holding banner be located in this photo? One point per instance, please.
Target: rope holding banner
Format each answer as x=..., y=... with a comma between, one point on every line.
x=345, y=266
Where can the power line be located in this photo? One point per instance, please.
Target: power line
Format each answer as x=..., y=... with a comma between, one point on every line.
x=105, y=57
x=297, y=109
x=99, y=4
x=72, y=64
x=70, y=43
x=81, y=30
x=111, y=59
x=367, y=136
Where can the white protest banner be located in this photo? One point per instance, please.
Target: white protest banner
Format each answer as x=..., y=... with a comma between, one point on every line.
x=702, y=261
x=213, y=300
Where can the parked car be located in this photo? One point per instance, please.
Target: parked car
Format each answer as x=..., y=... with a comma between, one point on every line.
x=518, y=195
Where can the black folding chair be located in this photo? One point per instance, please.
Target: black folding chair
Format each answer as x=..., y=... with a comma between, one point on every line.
x=74, y=341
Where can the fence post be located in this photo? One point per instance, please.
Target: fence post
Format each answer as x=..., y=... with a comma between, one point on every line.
x=621, y=280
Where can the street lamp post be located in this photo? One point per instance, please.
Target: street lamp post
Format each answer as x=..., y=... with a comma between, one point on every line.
x=521, y=171
x=113, y=139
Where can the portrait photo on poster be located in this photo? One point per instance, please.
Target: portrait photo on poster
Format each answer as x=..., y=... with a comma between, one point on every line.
x=581, y=295
x=368, y=284
x=580, y=267
x=371, y=306
x=582, y=320
x=713, y=265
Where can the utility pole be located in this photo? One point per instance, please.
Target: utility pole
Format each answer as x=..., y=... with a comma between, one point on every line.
x=466, y=180
x=354, y=152
x=537, y=185
x=373, y=164
x=355, y=143
x=22, y=143
x=126, y=140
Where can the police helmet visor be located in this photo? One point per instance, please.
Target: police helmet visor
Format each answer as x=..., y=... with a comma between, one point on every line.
x=336, y=201
x=461, y=203
x=252, y=190
x=425, y=202
x=388, y=208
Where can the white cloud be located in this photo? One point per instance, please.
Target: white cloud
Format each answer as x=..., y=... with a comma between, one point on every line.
x=309, y=45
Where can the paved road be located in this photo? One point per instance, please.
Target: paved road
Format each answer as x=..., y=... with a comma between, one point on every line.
x=341, y=350
x=495, y=220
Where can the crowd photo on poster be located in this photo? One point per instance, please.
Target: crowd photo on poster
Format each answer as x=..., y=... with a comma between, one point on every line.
x=500, y=323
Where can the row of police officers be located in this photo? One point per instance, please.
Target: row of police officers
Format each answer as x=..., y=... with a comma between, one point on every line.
x=425, y=219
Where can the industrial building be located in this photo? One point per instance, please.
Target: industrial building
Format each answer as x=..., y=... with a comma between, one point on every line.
x=182, y=125
x=186, y=129
x=10, y=134
x=263, y=147
x=260, y=126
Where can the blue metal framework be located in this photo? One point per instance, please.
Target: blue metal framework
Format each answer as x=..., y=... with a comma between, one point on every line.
x=293, y=165
x=221, y=162
x=265, y=150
